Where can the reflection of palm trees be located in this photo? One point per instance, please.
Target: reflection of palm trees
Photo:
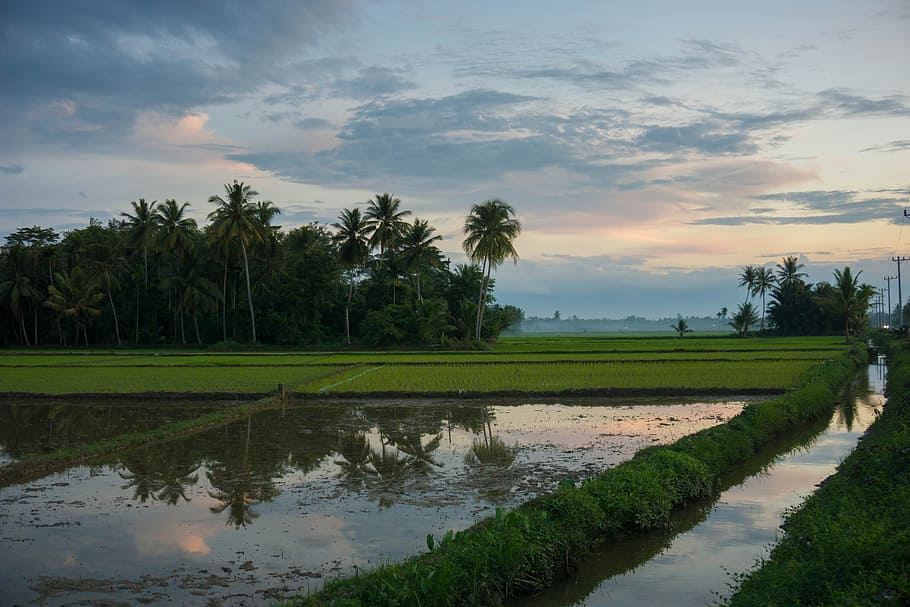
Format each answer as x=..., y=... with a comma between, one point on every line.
x=157, y=476
x=388, y=463
x=420, y=456
x=237, y=493
x=490, y=449
x=354, y=448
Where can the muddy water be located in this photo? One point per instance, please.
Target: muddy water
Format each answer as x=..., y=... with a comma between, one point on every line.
x=695, y=562
x=28, y=427
x=278, y=502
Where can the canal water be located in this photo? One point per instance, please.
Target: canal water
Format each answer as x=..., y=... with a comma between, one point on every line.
x=278, y=502
x=696, y=561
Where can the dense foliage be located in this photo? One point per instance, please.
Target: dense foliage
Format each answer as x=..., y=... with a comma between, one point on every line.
x=796, y=307
x=153, y=276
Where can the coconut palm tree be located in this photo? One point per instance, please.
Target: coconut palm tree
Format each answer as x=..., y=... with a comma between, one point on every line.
x=744, y=318
x=13, y=295
x=142, y=224
x=747, y=279
x=353, y=251
x=489, y=230
x=385, y=221
x=237, y=219
x=788, y=271
x=176, y=234
x=75, y=296
x=763, y=282
x=418, y=248
x=107, y=272
x=850, y=299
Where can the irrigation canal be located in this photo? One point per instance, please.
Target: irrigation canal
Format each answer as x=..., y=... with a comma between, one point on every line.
x=695, y=562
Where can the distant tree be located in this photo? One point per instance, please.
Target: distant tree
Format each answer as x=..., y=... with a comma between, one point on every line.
x=418, y=248
x=490, y=230
x=747, y=280
x=385, y=222
x=850, y=299
x=142, y=224
x=75, y=295
x=788, y=271
x=681, y=327
x=238, y=220
x=763, y=282
x=353, y=251
x=744, y=318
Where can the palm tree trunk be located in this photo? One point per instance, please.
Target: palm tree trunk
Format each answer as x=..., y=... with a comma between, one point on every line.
x=419, y=298
x=224, y=301
x=196, y=325
x=249, y=291
x=24, y=330
x=347, y=315
x=36, y=326
x=138, y=304
x=482, y=299
x=116, y=322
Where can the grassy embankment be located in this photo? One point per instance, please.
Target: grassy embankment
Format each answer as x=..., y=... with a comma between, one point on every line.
x=520, y=551
x=849, y=543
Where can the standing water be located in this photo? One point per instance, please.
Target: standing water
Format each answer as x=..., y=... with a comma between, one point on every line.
x=693, y=563
x=284, y=499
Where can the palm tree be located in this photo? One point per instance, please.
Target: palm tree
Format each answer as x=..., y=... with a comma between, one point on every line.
x=237, y=219
x=681, y=327
x=13, y=294
x=763, y=282
x=75, y=296
x=788, y=271
x=747, y=279
x=176, y=233
x=490, y=228
x=850, y=299
x=744, y=318
x=142, y=224
x=385, y=221
x=353, y=251
x=418, y=247
x=106, y=276
x=199, y=294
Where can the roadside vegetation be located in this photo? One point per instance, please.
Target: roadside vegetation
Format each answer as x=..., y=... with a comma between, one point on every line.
x=849, y=543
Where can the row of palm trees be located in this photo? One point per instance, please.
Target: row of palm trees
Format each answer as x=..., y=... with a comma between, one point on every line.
x=160, y=254
x=798, y=307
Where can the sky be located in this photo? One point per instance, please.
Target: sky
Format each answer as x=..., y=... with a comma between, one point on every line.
x=650, y=149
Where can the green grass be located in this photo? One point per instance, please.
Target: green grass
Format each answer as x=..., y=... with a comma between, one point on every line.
x=529, y=364
x=549, y=377
x=69, y=380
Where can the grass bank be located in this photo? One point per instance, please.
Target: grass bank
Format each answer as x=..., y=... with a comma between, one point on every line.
x=849, y=543
x=521, y=551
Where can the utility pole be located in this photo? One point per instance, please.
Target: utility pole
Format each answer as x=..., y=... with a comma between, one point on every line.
x=890, y=309
x=900, y=298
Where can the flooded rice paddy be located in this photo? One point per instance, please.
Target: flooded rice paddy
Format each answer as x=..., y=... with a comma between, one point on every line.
x=276, y=503
x=695, y=562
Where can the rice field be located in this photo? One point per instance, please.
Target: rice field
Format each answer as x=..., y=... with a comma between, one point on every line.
x=516, y=364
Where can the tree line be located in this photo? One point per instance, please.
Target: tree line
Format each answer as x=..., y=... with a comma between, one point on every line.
x=153, y=276
x=792, y=306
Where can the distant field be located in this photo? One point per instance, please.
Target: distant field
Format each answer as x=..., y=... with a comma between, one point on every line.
x=538, y=364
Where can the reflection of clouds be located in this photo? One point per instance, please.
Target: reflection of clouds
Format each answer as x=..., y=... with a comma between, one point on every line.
x=175, y=537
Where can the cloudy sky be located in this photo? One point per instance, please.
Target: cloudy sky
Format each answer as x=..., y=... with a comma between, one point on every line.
x=650, y=149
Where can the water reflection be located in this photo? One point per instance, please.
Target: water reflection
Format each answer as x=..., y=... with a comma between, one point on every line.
x=691, y=562
x=304, y=481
